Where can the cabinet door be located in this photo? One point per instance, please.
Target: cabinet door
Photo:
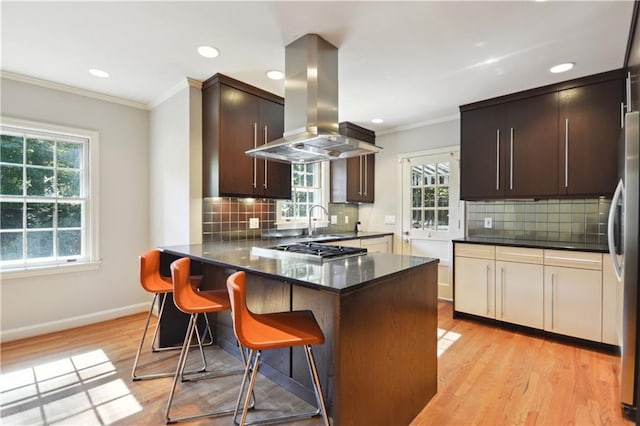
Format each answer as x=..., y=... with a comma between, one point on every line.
x=377, y=245
x=589, y=125
x=475, y=286
x=360, y=178
x=368, y=178
x=519, y=293
x=573, y=302
x=273, y=177
x=532, y=146
x=240, y=117
x=482, y=153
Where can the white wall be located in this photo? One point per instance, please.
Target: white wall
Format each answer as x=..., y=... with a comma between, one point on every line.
x=387, y=195
x=42, y=304
x=176, y=169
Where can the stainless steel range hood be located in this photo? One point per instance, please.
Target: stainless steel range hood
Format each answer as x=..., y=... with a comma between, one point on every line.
x=311, y=108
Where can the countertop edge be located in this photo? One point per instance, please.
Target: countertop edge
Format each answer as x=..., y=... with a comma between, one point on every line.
x=592, y=248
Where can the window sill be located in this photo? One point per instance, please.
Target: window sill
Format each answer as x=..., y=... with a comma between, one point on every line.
x=33, y=271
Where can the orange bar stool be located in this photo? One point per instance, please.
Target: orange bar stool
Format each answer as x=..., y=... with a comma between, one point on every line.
x=158, y=285
x=258, y=332
x=190, y=300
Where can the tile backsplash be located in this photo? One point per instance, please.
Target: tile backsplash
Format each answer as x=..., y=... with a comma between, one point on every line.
x=575, y=220
x=227, y=219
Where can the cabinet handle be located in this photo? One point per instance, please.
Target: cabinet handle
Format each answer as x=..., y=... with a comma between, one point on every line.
x=566, y=152
x=265, y=161
x=366, y=169
x=629, y=108
x=621, y=115
x=255, y=160
x=487, y=287
x=552, y=297
x=502, y=292
x=498, y=159
x=360, y=175
x=511, y=163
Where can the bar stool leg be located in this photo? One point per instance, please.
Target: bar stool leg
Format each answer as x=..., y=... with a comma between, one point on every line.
x=311, y=363
x=153, y=349
x=252, y=367
x=191, y=329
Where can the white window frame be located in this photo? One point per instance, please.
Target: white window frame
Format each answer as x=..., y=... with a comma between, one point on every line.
x=321, y=220
x=91, y=214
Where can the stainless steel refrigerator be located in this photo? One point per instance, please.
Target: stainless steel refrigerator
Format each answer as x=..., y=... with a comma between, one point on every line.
x=623, y=223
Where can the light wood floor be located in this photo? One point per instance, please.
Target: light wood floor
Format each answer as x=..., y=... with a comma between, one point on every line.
x=487, y=376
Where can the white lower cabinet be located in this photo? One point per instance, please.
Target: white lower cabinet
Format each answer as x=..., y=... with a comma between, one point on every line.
x=519, y=289
x=475, y=285
x=378, y=244
x=561, y=291
x=573, y=294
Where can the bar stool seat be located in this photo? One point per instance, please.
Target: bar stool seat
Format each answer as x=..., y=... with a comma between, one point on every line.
x=153, y=282
x=190, y=300
x=258, y=332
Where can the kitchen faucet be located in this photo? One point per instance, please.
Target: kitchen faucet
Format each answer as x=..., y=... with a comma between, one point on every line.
x=310, y=228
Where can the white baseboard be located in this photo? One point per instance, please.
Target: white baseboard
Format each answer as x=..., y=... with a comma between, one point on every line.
x=67, y=323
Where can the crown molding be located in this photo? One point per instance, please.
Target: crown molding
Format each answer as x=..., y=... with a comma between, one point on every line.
x=418, y=124
x=71, y=89
x=183, y=84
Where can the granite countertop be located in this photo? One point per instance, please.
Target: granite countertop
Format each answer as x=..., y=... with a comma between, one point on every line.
x=336, y=276
x=555, y=245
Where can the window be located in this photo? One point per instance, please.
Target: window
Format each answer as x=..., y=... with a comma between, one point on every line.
x=430, y=196
x=306, y=190
x=47, y=196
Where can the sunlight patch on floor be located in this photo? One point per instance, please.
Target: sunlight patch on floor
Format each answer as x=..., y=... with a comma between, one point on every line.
x=446, y=338
x=75, y=390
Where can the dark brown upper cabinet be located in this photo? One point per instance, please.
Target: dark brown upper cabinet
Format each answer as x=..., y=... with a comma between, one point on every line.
x=590, y=123
x=352, y=179
x=510, y=149
x=552, y=141
x=237, y=117
x=532, y=147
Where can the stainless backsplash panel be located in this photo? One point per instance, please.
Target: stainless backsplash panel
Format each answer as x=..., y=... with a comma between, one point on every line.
x=575, y=220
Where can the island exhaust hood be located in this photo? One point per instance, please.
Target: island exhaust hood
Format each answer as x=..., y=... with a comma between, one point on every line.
x=311, y=108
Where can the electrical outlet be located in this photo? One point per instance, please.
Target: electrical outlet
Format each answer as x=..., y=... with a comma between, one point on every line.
x=254, y=223
x=488, y=222
x=334, y=219
x=346, y=220
x=389, y=220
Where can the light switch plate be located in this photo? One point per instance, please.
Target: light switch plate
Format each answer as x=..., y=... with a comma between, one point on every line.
x=254, y=223
x=334, y=219
x=488, y=222
x=346, y=219
x=389, y=220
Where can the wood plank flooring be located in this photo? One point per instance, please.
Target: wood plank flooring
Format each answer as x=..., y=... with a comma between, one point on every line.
x=487, y=376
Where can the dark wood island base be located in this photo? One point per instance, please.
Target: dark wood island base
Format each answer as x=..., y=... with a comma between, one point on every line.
x=378, y=365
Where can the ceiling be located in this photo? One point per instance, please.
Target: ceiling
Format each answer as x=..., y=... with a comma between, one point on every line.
x=409, y=63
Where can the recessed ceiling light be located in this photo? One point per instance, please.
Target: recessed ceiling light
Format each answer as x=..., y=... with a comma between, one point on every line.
x=208, y=51
x=99, y=73
x=377, y=120
x=275, y=74
x=562, y=67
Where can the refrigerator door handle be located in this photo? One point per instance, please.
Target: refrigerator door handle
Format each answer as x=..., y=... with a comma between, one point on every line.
x=617, y=267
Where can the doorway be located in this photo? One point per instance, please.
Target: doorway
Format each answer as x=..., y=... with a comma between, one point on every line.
x=432, y=213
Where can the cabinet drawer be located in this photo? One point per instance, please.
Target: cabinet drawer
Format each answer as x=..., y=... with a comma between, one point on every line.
x=520, y=255
x=573, y=259
x=479, y=251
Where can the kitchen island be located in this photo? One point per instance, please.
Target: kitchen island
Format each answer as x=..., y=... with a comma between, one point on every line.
x=378, y=312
